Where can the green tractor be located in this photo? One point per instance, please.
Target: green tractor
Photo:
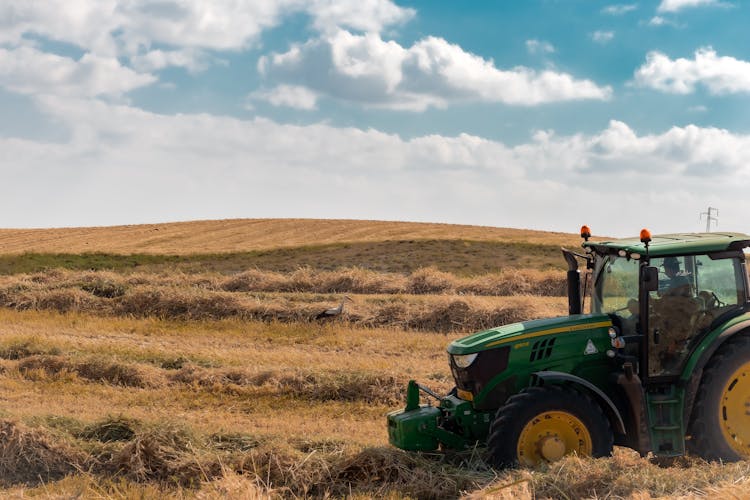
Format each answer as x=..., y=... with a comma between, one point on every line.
x=660, y=364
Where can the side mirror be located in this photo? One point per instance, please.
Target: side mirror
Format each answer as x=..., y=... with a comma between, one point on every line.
x=650, y=278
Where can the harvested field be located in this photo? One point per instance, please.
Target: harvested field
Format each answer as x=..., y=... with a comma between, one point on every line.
x=243, y=235
x=462, y=257
x=256, y=410
x=184, y=361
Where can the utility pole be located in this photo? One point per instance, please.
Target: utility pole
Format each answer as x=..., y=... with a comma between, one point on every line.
x=709, y=217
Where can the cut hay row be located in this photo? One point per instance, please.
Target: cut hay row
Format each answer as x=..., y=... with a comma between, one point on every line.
x=300, y=384
x=443, y=313
x=175, y=458
x=423, y=281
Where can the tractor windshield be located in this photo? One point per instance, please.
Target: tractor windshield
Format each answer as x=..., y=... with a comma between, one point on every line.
x=616, y=287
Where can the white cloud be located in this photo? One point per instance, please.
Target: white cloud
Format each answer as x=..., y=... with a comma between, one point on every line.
x=678, y=5
x=602, y=37
x=362, y=15
x=720, y=75
x=368, y=70
x=137, y=166
x=133, y=38
x=658, y=21
x=292, y=96
x=619, y=9
x=539, y=46
x=192, y=60
x=85, y=23
x=219, y=24
x=131, y=28
x=28, y=71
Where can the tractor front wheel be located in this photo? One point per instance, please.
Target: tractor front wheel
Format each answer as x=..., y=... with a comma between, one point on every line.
x=719, y=428
x=543, y=424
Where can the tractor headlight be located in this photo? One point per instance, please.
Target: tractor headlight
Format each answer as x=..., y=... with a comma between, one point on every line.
x=464, y=360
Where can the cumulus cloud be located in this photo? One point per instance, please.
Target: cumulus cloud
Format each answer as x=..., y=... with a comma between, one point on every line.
x=192, y=60
x=619, y=9
x=369, y=70
x=172, y=167
x=361, y=15
x=678, y=5
x=539, y=46
x=29, y=71
x=292, y=96
x=602, y=37
x=219, y=24
x=148, y=36
x=132, y=28
x=719, y=75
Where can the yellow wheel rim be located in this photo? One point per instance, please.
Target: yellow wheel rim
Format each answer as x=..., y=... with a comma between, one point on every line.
x=734, y=411
x=551, y=435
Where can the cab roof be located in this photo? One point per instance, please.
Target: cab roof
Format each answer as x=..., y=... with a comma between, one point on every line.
x=675, y=244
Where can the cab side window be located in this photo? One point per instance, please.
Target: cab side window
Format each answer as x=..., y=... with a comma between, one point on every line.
x=719, y=282
x=693, y=292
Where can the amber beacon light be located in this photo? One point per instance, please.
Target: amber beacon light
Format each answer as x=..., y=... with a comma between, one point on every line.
x=585, y=233
x=645, y=236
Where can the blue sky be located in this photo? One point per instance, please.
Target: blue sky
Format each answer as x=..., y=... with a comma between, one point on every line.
x=543, y=114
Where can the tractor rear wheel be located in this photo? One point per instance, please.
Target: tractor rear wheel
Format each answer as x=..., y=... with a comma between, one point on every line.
x=719, y=428
x=543, y=424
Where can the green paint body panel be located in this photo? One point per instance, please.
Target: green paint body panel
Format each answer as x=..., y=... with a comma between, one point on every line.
x=519, y=332
x=571, y=335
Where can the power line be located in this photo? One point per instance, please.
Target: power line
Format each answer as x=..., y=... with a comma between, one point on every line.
x=709, y=217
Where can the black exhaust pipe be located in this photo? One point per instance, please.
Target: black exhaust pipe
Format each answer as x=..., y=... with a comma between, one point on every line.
x=574, y=283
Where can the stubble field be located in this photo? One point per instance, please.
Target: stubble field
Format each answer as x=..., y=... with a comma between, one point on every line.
x=189, y=364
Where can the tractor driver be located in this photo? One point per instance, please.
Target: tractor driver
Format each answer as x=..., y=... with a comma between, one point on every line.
x=672, y=319
x=679, y=284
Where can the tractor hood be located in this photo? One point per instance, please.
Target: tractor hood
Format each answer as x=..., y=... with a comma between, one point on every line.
x=516, y=332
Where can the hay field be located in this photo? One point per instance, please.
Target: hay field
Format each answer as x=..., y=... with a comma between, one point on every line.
x=204, y=381
x=244, y=235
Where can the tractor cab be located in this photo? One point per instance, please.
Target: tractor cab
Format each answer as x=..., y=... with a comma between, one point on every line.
x=665, y=297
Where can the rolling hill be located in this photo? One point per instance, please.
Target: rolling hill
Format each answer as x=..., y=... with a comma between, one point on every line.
x=245, y=235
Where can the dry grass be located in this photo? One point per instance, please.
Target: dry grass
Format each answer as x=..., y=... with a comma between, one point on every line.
x=30, y=456
x=259, y=410
x=427, y=300
x=195, y=298
x=625, y=475
x=429, y=280
x=251, y=234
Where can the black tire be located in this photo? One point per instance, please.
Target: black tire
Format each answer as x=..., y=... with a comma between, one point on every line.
x=709, y=414
x=523, y=408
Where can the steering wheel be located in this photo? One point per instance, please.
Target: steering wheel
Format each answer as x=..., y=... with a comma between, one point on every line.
x=710, y=299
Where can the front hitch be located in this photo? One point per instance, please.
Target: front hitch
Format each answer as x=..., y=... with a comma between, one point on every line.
x=421, y=427
x=413, y=428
